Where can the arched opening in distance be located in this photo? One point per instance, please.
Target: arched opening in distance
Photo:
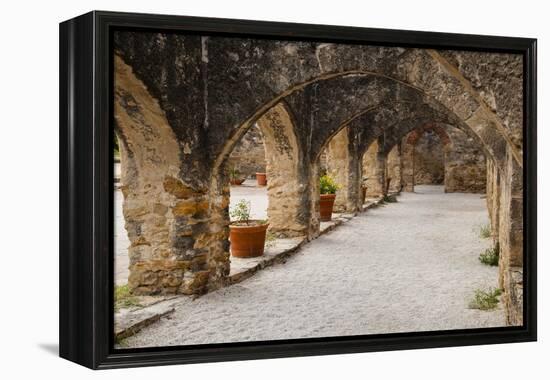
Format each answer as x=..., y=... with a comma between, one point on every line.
x=425, y=156
x=429, y=160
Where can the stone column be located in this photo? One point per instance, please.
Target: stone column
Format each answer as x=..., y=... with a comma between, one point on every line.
x=493, y=198
x=510, y=238
x=338, y=166
x=175, y=247
x=407, y=159
x=288, y=176
x=343, y=166
x=394, y=169
x=374, y=170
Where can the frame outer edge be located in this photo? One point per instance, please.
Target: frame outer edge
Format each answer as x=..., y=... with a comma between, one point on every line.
x=85, y=298
x=530, y=191
x=76, y=329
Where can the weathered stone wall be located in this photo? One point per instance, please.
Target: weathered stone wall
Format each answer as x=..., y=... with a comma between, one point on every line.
x=429, y=160
x=163, y=258
x=248, y=156
x=498, y=79
x=505, y=207
x=510, y=239
x=465, y=164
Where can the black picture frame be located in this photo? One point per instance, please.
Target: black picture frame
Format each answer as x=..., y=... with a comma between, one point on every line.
x=86, y=202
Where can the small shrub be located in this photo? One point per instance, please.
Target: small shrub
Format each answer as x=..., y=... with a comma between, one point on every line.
x=123, y=298
x=327, y=185
x=241, y=211
x=485, y=300
x=234, y=174
x=485, y=231
x=122, y=342
x=490, y=256
x=270, y=238
x=389, y=199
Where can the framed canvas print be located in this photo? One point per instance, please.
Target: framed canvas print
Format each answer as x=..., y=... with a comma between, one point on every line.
x=237, y=189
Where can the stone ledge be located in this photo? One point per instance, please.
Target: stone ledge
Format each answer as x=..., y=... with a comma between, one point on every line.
x=372, y=203
x=130, y=321
x=281, y=249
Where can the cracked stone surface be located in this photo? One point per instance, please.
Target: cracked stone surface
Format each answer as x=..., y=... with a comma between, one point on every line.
x=406, y=266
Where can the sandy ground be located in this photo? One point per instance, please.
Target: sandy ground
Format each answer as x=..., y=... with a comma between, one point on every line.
x=407, y=266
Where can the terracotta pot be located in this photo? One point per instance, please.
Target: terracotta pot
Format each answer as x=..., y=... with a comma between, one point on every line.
x=237, y=181
x=326, y=204
x=261, y=178
x=247, y=241
x=363, y=194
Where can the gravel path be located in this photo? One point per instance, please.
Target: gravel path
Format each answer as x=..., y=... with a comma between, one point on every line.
x=406, y=266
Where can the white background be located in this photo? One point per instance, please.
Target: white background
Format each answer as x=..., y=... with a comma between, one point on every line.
x=29, y=187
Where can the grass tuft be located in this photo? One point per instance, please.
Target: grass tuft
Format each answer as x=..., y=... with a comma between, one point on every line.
x=485, y=231
x=389, y=199
x=123, y=298
x=490, y=256
x=485, y=300
x=122, y=342
x=270, y=238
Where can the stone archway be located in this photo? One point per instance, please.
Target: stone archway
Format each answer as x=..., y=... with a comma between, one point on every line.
x=409, y=156
x=205, y=92
x=463, y=162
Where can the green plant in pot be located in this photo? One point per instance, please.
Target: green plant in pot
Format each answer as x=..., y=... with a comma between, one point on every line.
x=235, y=177
x=247, y=236
x=327, y=189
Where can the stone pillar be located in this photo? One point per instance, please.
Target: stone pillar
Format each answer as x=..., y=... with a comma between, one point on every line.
x=288, y=176
x=493, y=198
x=343, y=166
x=394, y=169
x=374, y=170
x=174, y=246
x=338, y=166
x=407, y=159
x=510, y=240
